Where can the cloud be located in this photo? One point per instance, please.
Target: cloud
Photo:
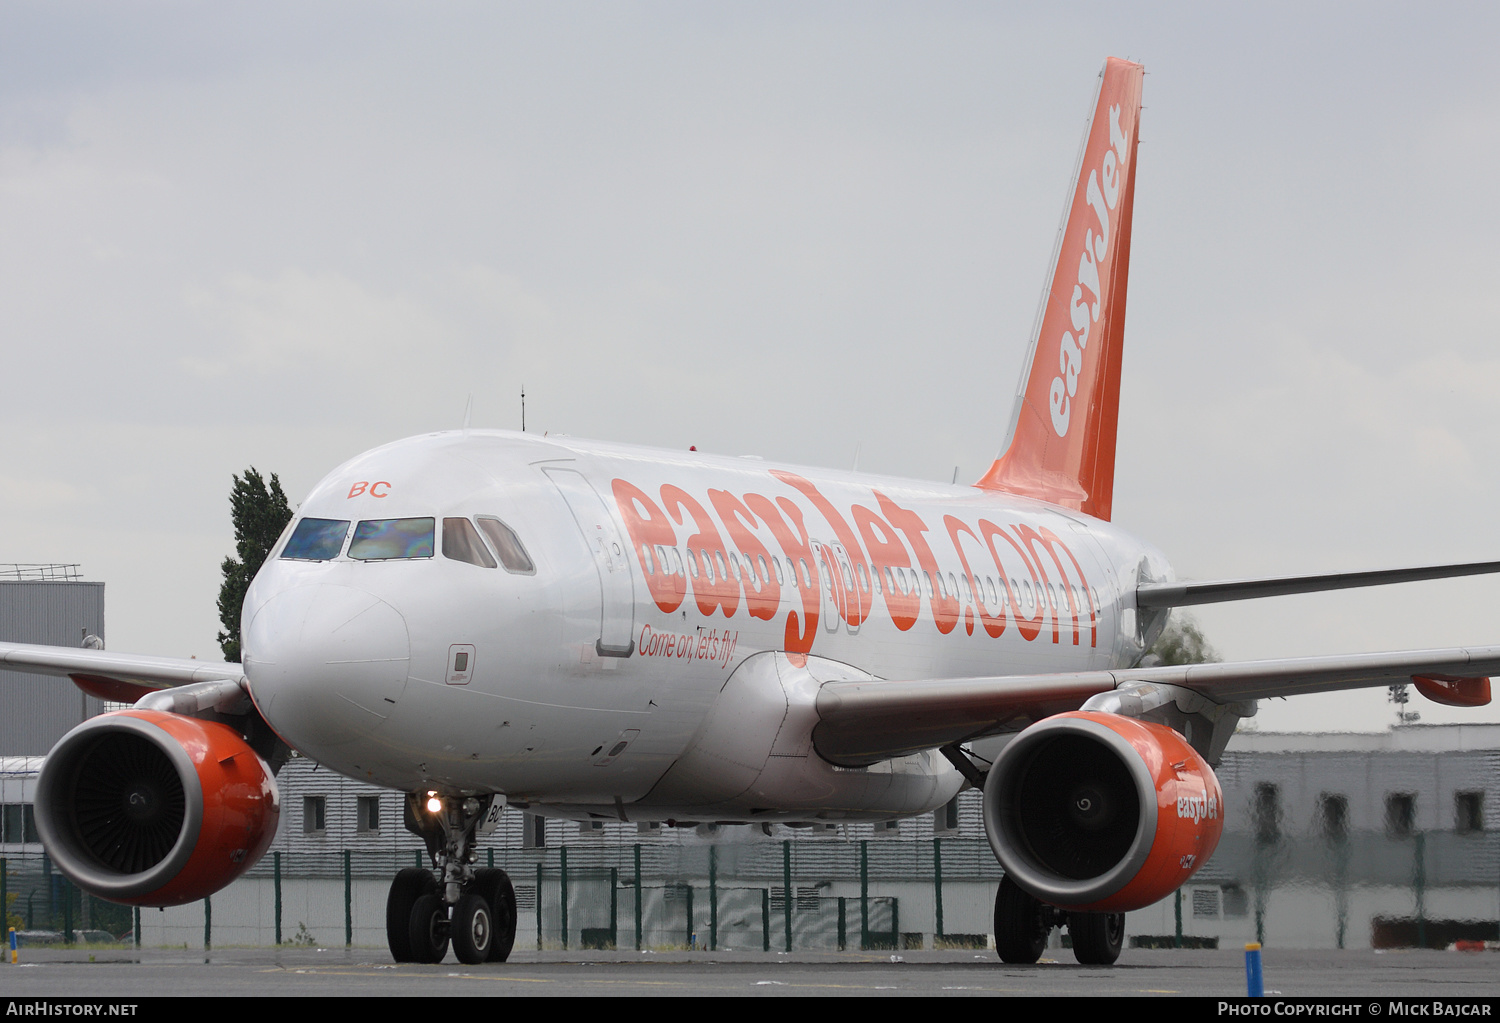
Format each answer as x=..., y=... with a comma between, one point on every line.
x=323, y=327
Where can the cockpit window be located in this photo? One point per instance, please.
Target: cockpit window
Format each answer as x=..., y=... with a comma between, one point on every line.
x=512, y=555
x=461, y=543
x=316, y=540
x=389, y=539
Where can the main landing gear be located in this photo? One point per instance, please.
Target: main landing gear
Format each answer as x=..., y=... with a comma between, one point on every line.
x=1022, y=924
x=472, y=908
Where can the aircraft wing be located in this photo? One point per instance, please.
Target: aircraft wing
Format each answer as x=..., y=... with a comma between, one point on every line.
x=121, y=678
x=860, y=722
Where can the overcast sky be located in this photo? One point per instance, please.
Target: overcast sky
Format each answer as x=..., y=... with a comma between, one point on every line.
x=279, y=234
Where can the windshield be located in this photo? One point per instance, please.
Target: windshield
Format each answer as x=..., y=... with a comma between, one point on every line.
x=388, y=539
x=316, y=540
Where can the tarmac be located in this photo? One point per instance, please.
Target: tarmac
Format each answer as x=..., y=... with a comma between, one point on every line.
x=114, y=974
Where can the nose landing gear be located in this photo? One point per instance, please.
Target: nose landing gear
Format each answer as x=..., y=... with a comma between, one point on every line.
x=473, y=908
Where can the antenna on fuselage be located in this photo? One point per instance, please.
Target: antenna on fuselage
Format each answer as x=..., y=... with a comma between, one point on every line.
x=468, y=412
x=523, y=408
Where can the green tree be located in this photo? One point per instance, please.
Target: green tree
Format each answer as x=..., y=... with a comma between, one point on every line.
x=260, y=513
x=1182, y=642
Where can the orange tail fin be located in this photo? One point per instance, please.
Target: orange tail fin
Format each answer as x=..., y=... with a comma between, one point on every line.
x=1062, y=435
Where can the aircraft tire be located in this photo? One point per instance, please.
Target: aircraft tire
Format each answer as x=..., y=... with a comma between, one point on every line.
x=1020, y=933
x=1097, y=937
x=473, y=929
x=493, y=885
x=429, y=929
x=409, y=885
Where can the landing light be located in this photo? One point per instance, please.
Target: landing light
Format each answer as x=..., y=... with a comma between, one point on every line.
x=434, y=804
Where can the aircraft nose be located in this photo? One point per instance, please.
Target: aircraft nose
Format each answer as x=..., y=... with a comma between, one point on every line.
x=326, y=664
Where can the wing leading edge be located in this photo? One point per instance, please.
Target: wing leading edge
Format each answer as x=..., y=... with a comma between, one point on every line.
x=861, y=722
x=121, y=678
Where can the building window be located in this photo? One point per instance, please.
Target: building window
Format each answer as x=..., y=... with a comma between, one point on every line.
x=314, y=815
x=1206, y=903
x=18, y=823
x=533, y=832
x=1267, y=813
x=945, y=818
x=368, y=810
x=1236, y=901
x=1333, y=816
x=1400, y=814
x=805, y=898
x=1468, y=812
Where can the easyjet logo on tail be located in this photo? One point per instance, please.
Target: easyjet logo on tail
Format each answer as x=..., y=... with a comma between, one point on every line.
x=1102, y=194
x=1062, y=444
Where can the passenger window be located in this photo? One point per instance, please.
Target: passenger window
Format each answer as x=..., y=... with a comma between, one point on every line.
x=392, y=539
x=512, y=554
x=461, y=543
x=316, y=540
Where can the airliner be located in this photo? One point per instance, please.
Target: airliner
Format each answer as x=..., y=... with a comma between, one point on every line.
x=484, y=619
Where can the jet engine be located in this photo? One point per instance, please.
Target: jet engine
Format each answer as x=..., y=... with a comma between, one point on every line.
x=152, y=808
x=1100, y=813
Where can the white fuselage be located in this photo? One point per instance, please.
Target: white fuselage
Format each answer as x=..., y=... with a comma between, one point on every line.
x=590, y=683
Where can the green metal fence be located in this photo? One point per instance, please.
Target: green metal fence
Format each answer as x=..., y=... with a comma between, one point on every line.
x=799, y=894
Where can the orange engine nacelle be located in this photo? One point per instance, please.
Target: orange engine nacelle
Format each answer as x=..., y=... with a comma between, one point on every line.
x=155, y=809
x=1099, y=813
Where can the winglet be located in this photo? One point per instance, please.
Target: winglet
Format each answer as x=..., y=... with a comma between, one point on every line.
x=1062, y=435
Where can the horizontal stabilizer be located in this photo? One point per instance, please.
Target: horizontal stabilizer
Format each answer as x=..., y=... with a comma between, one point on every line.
x=1186, y=594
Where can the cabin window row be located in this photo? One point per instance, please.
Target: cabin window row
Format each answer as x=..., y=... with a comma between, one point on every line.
x=758, y=571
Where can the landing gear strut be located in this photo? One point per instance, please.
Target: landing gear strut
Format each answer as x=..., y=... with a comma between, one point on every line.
x=473, y=908
x=1022, y=924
